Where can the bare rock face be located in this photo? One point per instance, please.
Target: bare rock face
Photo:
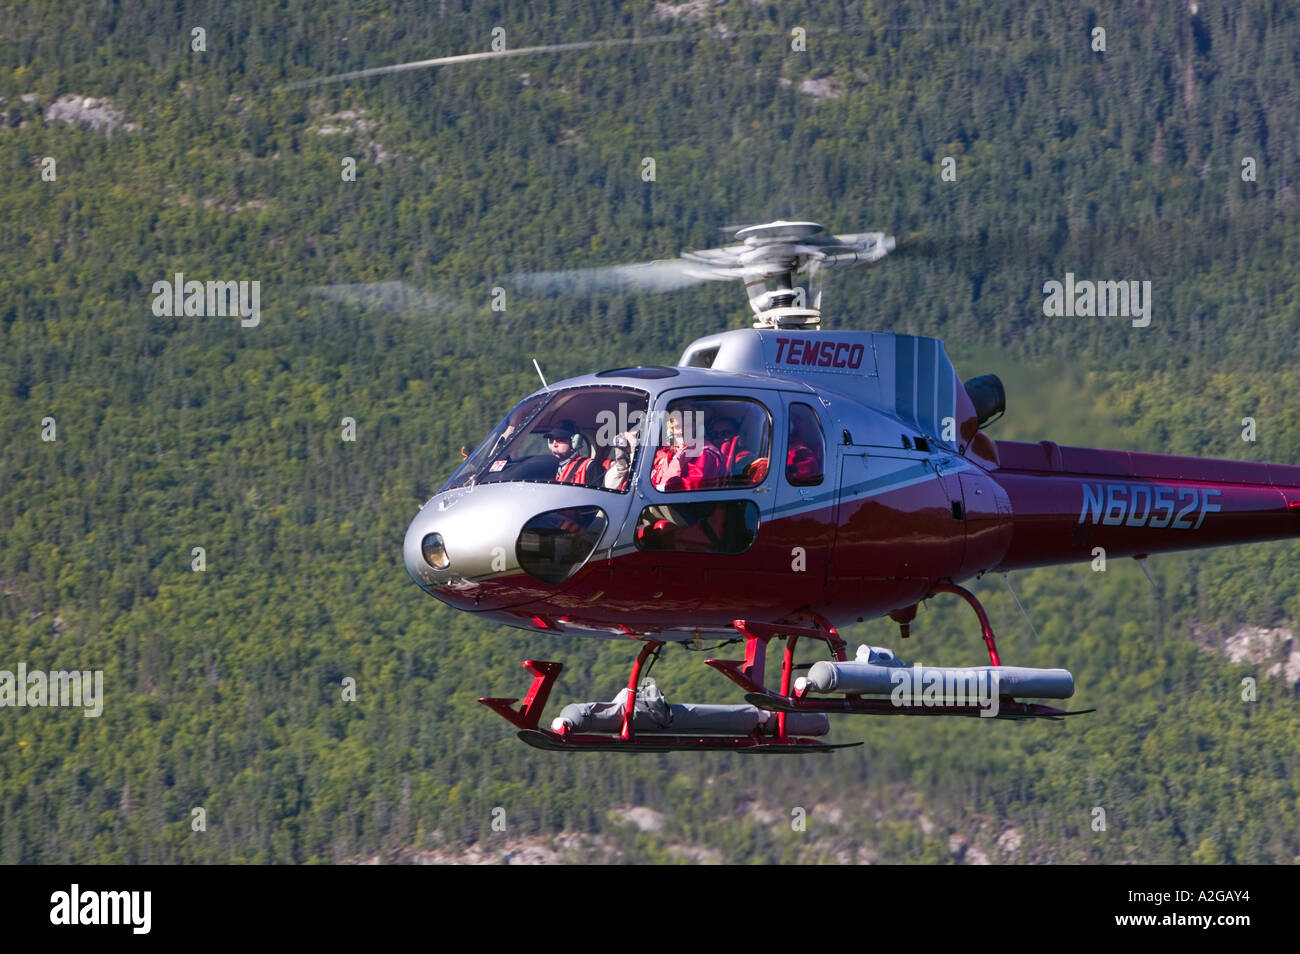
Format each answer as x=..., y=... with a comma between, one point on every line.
x=826, y=88
x=96, y=113
x=691, y=10
x=645, y=819
x=1273, y=648
x=356, y=124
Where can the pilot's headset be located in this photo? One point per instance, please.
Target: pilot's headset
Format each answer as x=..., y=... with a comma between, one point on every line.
x=577, y=443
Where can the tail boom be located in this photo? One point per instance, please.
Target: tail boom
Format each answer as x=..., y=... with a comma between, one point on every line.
x=1068, y=501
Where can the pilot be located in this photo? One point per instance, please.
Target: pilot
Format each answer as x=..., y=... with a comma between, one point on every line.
x=686, y=465
x=573, y=465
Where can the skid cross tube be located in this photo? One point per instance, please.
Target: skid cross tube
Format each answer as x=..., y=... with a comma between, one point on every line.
x=986, y=628
x=629, y=710
x=749, y=674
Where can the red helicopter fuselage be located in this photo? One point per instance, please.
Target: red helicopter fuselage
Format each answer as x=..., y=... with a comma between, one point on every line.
x=862, y=482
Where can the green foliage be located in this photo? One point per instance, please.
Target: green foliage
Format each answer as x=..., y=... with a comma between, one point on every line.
x=224, y=687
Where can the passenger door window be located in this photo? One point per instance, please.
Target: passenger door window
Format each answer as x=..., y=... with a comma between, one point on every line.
x=712, y=443
x=806, y=449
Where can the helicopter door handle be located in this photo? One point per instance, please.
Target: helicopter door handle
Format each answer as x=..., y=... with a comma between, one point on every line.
x=762, y=490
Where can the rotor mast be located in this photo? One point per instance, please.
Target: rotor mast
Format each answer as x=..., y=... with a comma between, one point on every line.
x=781, y=263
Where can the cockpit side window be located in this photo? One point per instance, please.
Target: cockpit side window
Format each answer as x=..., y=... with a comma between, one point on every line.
x=807, y=448
x=586, y=436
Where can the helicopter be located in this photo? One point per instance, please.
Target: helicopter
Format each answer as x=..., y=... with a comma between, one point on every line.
x=778, y=482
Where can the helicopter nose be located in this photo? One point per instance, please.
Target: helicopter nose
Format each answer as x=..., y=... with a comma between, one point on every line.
x=447, y=557
x=500, y=546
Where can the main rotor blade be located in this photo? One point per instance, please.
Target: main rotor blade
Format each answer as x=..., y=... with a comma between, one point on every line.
x=658, y=276
x=392, y=296
x=487, y=55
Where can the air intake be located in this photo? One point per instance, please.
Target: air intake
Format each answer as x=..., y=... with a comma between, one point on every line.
x=989, y=397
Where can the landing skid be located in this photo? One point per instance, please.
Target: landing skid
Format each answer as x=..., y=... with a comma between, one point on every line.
x=1007, y=708
x=553, y=742
x=626, y=726
x=749, y=675
x=527, y=719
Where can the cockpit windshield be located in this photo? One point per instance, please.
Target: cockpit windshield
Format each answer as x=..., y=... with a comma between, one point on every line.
x=585, y=436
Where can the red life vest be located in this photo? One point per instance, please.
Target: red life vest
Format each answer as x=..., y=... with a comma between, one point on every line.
x=574, y=471
x=802, y=466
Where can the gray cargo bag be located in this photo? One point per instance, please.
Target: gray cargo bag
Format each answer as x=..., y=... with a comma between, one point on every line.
x=654, y=714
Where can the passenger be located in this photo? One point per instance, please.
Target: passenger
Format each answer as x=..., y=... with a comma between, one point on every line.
x=573, y=465
x=686, y=465
x=803, y=466
x=724, y=433
x=622, y=457
x=722, y=428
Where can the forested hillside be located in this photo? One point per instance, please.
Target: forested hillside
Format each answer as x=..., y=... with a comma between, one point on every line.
x=1172, y=155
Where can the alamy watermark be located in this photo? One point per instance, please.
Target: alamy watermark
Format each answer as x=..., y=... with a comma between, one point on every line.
x=213, y=299
x=919, y=686
x=76, y=907
x=672, y=427
x=56, y=688
x=1088, y=299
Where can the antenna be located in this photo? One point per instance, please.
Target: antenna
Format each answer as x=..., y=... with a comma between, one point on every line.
x=540, y=375
x=1142, y=562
